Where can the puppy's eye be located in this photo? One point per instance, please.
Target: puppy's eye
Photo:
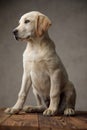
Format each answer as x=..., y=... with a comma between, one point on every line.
x=27, y=21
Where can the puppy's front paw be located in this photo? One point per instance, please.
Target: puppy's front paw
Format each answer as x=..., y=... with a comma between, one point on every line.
x=49, y=112
x=28, y=109
x=12, y=110
x=69, y=112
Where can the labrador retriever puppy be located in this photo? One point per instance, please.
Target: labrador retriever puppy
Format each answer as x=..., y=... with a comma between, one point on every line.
x=43, y=70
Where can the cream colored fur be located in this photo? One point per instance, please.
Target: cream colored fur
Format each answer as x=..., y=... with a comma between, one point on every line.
x=43, y=70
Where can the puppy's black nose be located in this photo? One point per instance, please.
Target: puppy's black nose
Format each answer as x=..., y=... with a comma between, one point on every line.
x=15, y=32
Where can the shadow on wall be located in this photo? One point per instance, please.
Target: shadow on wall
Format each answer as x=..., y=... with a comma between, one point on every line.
x=69, y=32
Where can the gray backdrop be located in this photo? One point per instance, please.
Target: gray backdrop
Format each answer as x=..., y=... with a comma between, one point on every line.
x=69, y=32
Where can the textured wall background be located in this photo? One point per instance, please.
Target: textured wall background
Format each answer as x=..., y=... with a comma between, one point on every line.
x=69, y=32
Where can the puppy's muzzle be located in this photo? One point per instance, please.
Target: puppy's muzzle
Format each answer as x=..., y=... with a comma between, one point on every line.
x=15, y=32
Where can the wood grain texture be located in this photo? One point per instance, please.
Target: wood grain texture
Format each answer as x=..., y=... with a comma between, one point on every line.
x=22, y=122
x=39, y=122
x=77, y=122
x=3, y=116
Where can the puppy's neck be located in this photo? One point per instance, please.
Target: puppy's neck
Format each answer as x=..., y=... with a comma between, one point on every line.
x=36, y=41
x=38, y=48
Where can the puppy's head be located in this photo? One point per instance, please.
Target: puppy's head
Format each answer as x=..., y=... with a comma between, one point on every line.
x=33, y=24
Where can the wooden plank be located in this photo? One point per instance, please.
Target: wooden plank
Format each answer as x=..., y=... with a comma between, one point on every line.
x=63, y=123
x=78, y=122
x=44, y=128
x=34, y=121
x=3, y=116
x=59, y=122
x=17, y=128
x=44, y=122
x=21, y=122
x=51, y=122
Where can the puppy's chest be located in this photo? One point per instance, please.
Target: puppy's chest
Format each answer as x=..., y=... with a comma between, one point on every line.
x=33, y=56
x=36, y=66
x=34, y=61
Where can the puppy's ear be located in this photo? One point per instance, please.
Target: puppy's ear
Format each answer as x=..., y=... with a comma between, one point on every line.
x=42, y=25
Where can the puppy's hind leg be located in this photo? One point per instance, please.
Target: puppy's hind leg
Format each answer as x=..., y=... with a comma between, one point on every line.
x=39, y=108
x=70, y=97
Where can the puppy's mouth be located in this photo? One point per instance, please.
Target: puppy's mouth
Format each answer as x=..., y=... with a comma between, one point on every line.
x=28, y=37
x=22, y=38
